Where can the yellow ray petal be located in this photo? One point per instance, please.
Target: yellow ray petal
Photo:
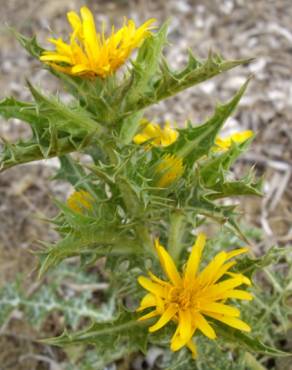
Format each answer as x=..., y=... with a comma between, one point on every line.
x=167, y=264
x=225, y=285
x=245, y=280
x=53, y=57
x=237, y=137
x=237, y=294
x=148, y=300
x=62, y=47
x=240, y=137
x=80, y=69
x=194, y=258
x=158, y=280
x=220, y=308
x=150, y=132
x=177, y=342
x=192, y=347
x=231, y=321
x=185, y=325
x=168, y=135
x=149, y=315
x=154, y=288
x=203, y=325
x=221, y=271
x=160, y=306
x=154, y=133
x=164, y=319
x=139, y=139
x=75, y=22
x=89, y=32
x=207, y=275
x=59, y=68
x=236, y=252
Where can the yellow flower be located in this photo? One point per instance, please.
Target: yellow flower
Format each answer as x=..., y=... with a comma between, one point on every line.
x=169, y=169
x=223, y=144
x=157, y=136
x=80, y=200
x=90, y=53
x=190, y=297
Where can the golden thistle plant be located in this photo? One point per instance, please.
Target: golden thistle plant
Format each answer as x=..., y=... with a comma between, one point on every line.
x=146, y=184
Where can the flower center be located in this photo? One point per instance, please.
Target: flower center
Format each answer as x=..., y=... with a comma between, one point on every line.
x=184, y=298
x=181, y=297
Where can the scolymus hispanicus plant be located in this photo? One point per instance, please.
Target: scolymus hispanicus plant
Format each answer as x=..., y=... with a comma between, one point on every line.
x=146, y=186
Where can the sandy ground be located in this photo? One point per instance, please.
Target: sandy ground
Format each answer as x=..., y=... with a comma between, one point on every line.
x=237, y=29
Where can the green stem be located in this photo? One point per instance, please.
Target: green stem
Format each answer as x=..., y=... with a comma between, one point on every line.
x=145, y=238
x=176, y=232
x=109, y=150
x=273, y=281
x=130, y=126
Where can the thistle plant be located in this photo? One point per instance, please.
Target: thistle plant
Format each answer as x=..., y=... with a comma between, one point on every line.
x=143, y=184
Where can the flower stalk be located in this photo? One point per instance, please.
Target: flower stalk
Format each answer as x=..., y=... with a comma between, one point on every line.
x=177, y=226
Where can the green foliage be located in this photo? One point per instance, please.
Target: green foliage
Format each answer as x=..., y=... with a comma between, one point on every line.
x=46, y=299
x=57, y=129
x=30, y=44
x=125, y=330
x=246, y=341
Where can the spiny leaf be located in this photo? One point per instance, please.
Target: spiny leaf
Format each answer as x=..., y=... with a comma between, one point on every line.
x=140, y=82
x=74, y=120
x=236, y=188
x=30, y=44
x=124, y=330
x=245, y=186
x=24, y=152
x=57, y=129
x=90, y=239
x=70, y=171
x=27, y=112
x=246, y=341
x=145, y=66
x=213, y=169
x=100, y=97
x=171, y=83
x=248, y=266
x=194, y=73
x=46, y=299
x=195, y=142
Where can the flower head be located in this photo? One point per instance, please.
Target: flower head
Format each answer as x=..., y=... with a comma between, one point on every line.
x=190, y=298
x=90, y=53
x=80, y=200
x=169, y=170
x=223, y=144
x=156, y=135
